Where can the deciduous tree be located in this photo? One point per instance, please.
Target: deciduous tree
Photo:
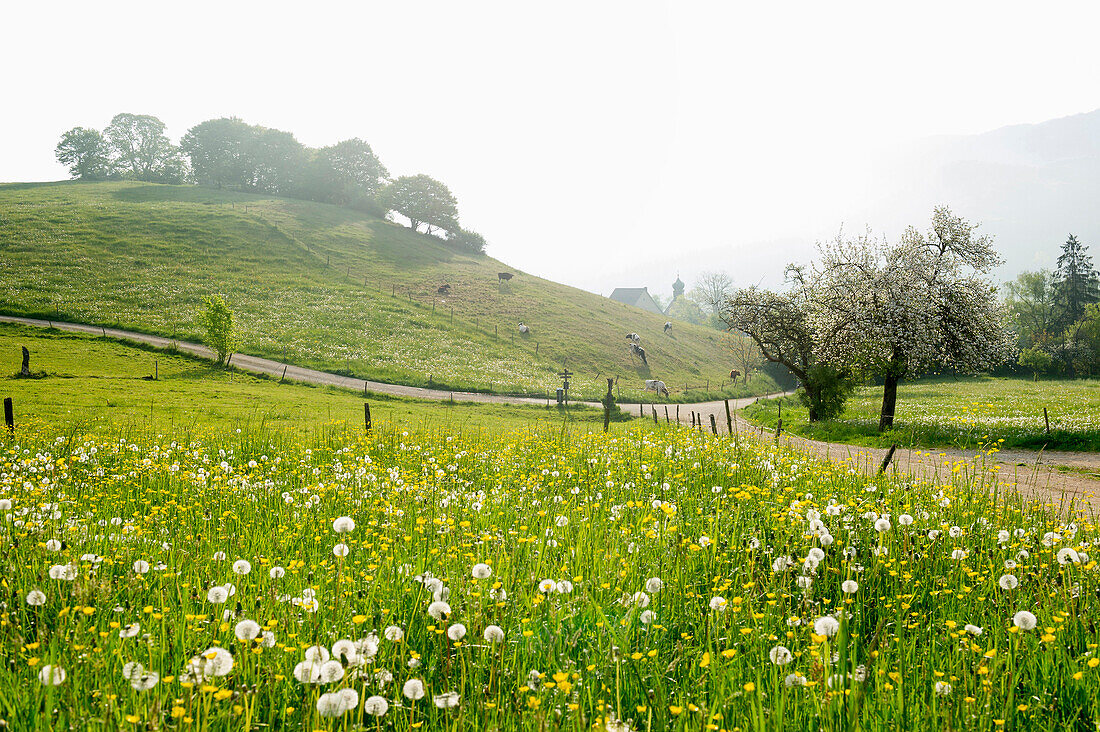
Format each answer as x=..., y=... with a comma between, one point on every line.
x=898, y=309
x=85, y=153
x=422, y=200
x=141, y=150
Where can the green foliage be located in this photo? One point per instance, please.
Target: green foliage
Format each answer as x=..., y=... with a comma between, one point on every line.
x=1035, y=360
x=1076, y=282
x=141, y=151
x=422, y=200
x=467, y=241
x=85, y=153
x=218, y=321
x=825, y=391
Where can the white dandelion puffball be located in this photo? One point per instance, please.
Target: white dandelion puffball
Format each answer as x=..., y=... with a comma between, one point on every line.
x=905, y=519
x=1025, y=620
x=447, y=700
x=547, y=585
x=141, y=566
x=132, y=670
x=219, y=556
x=344, y=649
x=498, y=594
x=130, y=630
x=349, y=698
x=51, y=675
x=943, y=688
x=1067, y=555
x=53, y=545
x=780, y=655
x=640, y=599
x=882, y=524
x=972, y=629
x=36, y=598
x=456, y=632
x=413, y=689
x=5, y=504
x=376, y=706
x=65, y=572
x=816, y=555
x=439, y=610
x=276, y=573
x=482, y=571
x=393, y=633
x=1008, y=582
x=308, y=672
x=718, y=603
x=826, y=625
x=330, y=705
x=493, y=634
x=959, y=554
x=331, y=671
x=242, y=567
x=247, y=630
x=647, y=617
x=849, y=586
x=341, y=550
x=563, y=587
x=145, y=682
x=653, y=585
x=316, y=654
x=794, y=680
x=217, y=595
x=219, y=661
x=343, y=525
x=268, y=639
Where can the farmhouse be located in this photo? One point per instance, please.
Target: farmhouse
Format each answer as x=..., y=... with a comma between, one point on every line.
x=639, y=297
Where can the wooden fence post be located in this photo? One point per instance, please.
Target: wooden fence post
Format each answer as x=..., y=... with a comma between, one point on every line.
x=729, y=418
x=9, y=415
x=284, y=374
x=607, y=402
x=1046, y=419
x=779, y=422
x=640, y=412
x=156, y=370
x=667, y=420
x=886, y=460
x=366, y=416
x=655, y=416
x=713, y=424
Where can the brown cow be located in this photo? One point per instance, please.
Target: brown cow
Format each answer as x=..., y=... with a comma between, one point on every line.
x=504, y=276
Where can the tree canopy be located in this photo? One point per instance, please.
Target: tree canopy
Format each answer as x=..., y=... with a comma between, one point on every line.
x=85, y=153
x=422, y=200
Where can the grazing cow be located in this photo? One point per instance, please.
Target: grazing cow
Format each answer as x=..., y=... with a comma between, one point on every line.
x=523, y=329
x=638, y=351
x=668, y=326
x=734, y=374
x=633, y=337
x=444, y=289
x=657, y=386
x=504, y=277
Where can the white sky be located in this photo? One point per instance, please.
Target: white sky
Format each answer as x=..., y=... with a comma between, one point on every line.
x=583, y=139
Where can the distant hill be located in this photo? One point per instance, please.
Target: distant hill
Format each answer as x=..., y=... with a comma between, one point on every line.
x=1029, y=185
x=335, y=288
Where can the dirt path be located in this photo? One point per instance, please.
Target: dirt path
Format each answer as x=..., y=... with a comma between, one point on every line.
x=1056, y=477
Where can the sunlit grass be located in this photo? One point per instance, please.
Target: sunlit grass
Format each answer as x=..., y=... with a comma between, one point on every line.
x=964, y=412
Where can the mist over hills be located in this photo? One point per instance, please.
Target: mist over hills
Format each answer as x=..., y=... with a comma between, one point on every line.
x=1029, y=185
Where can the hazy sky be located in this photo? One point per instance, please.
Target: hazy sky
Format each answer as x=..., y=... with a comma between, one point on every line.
x=585, y=140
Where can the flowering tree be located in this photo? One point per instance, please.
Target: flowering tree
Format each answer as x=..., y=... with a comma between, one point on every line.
x=781, y=325
x=892, y=310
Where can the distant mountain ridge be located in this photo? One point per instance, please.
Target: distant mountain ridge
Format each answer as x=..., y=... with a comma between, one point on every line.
x=1029, y=185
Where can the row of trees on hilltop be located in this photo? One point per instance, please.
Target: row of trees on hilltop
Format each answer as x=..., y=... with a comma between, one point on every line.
x=1056, y=315
x=230, y=153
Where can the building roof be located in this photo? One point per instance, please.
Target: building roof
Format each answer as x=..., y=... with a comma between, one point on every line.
x=638, y=297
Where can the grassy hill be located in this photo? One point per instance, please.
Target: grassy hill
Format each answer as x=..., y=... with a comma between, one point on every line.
x=330, y=288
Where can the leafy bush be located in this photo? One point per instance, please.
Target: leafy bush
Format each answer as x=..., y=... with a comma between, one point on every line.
x=218, y=321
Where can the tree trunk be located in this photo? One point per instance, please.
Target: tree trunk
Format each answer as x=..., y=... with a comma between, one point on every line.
x=889, y=402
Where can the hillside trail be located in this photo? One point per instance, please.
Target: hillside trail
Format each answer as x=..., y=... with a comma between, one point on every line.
x=1057, y=478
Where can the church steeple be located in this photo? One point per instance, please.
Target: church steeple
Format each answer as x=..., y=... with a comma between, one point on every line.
x=677, y=287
